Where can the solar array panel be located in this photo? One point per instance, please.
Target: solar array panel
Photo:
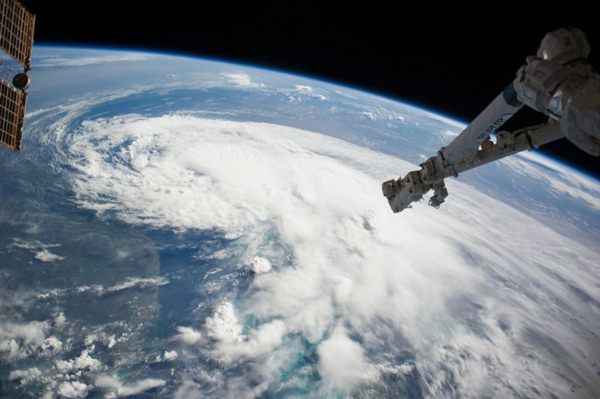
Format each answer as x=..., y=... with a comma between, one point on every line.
x=16, y=30
x=12, y=112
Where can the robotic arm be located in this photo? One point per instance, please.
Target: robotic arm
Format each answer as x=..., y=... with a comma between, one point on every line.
x=558, y=82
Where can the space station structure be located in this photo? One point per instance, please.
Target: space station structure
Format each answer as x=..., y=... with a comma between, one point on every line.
x=557, y=82
x=17, y=27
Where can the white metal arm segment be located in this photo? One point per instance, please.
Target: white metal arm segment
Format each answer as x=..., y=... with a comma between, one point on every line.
x=558, y=82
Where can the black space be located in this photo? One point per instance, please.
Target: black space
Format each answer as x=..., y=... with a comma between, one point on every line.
x=447, y=60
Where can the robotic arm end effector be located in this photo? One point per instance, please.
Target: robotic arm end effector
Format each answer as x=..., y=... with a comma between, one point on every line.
x=403, y=192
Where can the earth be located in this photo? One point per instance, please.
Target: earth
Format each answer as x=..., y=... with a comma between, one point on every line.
x=185, y=228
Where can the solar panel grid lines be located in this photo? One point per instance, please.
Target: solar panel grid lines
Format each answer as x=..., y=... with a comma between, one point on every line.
x=16, y=39
x=16, y=31
x=12, y=113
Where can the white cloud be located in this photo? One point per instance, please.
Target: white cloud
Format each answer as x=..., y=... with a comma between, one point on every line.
x=48, y=395
x=383, y=114
x=40, y=249
x=259, y=265
x=51, y=346
x=369, y=115
x=19, y=340
x=258, y=343
x=307, y=91
x=73, y=389
x=31, y=244
x=188, y=390
x=224, y=329
x=170, y=356
x=304, y=89
x=560, y=178
x=432, y=277
x=10, y=349
x=31, y=333
x=224, y=324
x=83, y=362
x=109, y=340
x=46, y=256
x=262, y=340
x=443, y=119
x=241, y=79
x=188, y=336
x=129, y=283
x=60, y=320
x=342, y=361
x=25, y=376
x=117, y=389
x=48, y=62
x=135, y=282
x=450, y=133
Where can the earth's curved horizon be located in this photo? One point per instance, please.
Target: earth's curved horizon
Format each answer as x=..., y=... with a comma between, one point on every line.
x=181, y=227
x=451, y=119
